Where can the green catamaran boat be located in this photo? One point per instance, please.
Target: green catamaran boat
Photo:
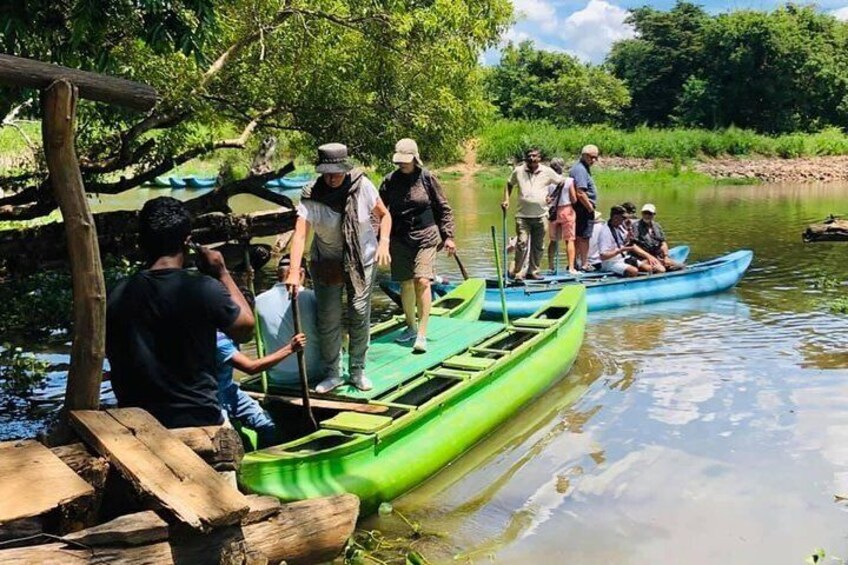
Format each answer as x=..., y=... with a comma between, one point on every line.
x=425, y=410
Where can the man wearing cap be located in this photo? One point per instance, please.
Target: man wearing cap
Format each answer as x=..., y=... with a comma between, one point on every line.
x=617, y=254
x=650, y=237
x=276, y=326
x=422, y=221
x=584, y=207
x=532, y=179
x=338, y=207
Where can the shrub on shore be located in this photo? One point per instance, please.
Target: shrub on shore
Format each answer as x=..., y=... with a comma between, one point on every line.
x=504, y=140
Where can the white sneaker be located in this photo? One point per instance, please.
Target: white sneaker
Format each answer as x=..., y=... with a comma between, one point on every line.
x=361, y=382
x=420, y=344
x=329, y=384
x=407, y=335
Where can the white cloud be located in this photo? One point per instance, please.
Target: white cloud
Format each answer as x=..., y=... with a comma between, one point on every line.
x=590, y=32
x=841, y=13
x=538, y=11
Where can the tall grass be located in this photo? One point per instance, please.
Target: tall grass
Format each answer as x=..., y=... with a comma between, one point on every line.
x=505, y=139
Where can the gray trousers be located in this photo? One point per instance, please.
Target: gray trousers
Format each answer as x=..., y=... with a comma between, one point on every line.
x=534, y=230
x=329, y=298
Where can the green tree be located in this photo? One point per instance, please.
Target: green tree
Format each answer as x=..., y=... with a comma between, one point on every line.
x=364, y=73
x=781, y=71
x=533, y=84
x=667, y=50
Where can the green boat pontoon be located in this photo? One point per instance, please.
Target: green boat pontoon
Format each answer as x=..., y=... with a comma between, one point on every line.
x=424, y=410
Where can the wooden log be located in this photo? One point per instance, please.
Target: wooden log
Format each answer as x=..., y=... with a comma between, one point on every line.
x=20, y=72
x=138, y=528
x=33, y=481
x=321, y=403
x=261, y=507
x=89, y=289
x=30, y=249
x=161, y=466
x=832, y=229
x=310, y=531
x=219, y=446
x=92, y=469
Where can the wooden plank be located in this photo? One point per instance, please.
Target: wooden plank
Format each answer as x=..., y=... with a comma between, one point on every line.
x=131, y=529
x=261, y=507
x=161, y=466
x=320, y=403
x=219, y=446
x=310, y=531
x=34, y=481
x=17, y=71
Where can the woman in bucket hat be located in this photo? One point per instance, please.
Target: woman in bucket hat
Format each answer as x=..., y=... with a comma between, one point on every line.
x=337, y=208
x=422, y=222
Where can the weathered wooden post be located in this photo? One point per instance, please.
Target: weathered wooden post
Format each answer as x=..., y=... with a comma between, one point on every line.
x=61, y=87
x=59, y=107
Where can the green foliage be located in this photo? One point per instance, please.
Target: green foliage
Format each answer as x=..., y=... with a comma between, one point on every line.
x=20, y=373
x=532, y=84
x=372, y=546
x=41, y=304
x=839, y=305
x=777, y=72
x=505, y=140
x=657, y=63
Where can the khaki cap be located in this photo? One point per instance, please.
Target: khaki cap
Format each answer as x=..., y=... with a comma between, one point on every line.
x=406, y=151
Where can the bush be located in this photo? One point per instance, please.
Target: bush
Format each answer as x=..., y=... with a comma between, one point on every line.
x=20, y=373
x=505, y=140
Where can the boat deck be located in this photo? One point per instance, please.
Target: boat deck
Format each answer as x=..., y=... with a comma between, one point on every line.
x=390, y=364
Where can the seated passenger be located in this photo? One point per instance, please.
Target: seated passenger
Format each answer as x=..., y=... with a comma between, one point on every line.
x=161, y=323
x=617, y=255
x=630, y=216
x=594, y=254
x=237, y=405
x=649, y=236
x=276, y=325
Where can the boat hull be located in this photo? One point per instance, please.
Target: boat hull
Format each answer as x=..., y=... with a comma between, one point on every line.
x=418, y=444
x=699, y=279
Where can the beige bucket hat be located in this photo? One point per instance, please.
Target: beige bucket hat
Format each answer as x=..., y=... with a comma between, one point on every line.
x=406, y=151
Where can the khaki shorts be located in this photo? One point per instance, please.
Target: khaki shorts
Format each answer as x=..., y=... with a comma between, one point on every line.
x=410, y=263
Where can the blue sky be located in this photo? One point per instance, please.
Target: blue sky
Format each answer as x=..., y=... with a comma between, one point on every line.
x=587, y=28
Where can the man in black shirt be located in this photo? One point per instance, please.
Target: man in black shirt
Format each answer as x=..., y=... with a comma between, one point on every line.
x=161, y=323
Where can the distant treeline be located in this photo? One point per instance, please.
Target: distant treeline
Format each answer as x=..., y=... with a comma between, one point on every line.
x=771, y=72
x=504, y=140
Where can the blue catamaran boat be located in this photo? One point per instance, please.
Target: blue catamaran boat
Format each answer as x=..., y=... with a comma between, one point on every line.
x=605, y=291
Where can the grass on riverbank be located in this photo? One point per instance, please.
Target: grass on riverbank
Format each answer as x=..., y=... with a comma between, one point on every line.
x=503, y=140
x=494, y=178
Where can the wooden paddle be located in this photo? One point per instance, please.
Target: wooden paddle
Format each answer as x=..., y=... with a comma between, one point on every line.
x=461, y=266
x=301, y=366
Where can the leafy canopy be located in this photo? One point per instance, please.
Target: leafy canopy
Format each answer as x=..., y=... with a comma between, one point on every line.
x=540, y=85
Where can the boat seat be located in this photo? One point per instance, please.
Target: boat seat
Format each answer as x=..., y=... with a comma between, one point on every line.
x=448, y=374
x=489, y=350
x=356, y=422
x=439, y=311
x=468, y=362
x=534, y=322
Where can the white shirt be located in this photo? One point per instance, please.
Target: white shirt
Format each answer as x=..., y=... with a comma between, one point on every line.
x=594, y=253
x=564, y=199
x=533, y=189
x=276, y=323
x=328, y=242
x=607, y=242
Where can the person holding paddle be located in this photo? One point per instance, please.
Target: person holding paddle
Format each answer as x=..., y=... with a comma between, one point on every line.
x=422, y=222
x=338, y=207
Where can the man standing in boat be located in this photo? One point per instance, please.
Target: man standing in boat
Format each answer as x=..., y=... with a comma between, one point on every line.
x=345, y=253
x=161, y=323
x=422, y=222
x=584, y=207
x=532, y=179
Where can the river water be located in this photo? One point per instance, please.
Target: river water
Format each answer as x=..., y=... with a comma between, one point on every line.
x=698, y=431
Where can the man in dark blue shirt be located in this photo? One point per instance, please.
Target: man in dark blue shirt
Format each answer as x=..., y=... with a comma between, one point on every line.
x=584, y=208
x=161, y=323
